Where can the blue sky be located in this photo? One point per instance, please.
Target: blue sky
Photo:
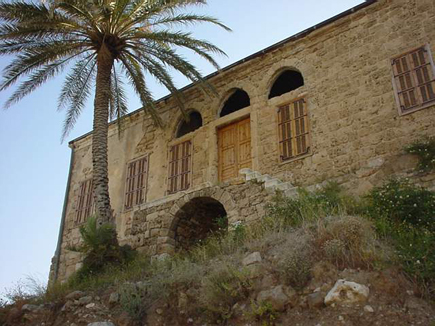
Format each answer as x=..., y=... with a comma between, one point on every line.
x=34, y=163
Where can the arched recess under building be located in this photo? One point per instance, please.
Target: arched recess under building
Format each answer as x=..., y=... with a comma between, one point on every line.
x=287, y=81
x=238, y=100
x=198, y=219
x=184, y=127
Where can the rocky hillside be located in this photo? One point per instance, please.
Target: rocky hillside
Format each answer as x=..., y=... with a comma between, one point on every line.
x=321, y=259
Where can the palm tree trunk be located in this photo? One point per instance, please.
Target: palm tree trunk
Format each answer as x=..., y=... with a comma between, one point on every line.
x=99, y=136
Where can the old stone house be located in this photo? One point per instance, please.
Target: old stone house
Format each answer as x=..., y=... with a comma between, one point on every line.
x=338, y=101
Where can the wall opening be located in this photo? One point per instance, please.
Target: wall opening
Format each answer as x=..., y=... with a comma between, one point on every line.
x=287, y=81
x=237, y=101
x=195, y=122
x=198, y=219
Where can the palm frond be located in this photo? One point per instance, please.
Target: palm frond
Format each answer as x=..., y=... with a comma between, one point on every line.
x=37, y=79
x=186, y=19
x=157, y=70
x=31, y=59
x=137, y=80
x=75, y=91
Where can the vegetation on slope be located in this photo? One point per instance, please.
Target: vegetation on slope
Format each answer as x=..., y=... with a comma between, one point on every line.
x=301, y=238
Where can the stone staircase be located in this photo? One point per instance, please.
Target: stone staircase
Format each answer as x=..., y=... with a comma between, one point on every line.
x=271, y=184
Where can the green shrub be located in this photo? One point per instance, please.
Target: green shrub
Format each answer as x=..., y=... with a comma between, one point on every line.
x=134, y=299
x=425, y=150
x=221, y=288
x=296, y=260
x=348, y=241
x=263, y=312
x=100, y=248
x=309, y=206
x=404, y=215
x=403, y=203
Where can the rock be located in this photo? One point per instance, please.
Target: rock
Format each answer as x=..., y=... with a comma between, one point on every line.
x=75, y=295
x=315, y=300
x=85, y=300
x=347, y=292
x=293, y=297
x=368, y=309
x=253, y=258
x=267, y=281
x=29, y=308
x=90, y=305
x=67, y=306
x=275, y=296
x=114, y=298
x=102, y=323
x=182, y=300
x=238, y=309
x=255, y=271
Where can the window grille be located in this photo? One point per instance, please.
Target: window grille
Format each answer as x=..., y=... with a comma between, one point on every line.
x=293, y=130
x=180, y=167
x=85, y=203
x=413, y=79
x=135, y=184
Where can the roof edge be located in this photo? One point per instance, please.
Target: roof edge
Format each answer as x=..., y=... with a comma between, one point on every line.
x=254, y=55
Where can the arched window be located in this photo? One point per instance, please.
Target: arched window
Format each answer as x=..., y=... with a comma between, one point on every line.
x=194, y=123
x=237, y=101
x=288, y=81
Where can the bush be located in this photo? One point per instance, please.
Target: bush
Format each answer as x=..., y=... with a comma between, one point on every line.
x=309, y=206
x=263, y=312
x=404, y=215
x=221, y=288
x=348, y=241
x=296, y=260
x=100, y=248
x=403, y=203
x=425, y=150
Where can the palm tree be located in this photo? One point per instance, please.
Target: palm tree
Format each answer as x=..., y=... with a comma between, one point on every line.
x=103, y=42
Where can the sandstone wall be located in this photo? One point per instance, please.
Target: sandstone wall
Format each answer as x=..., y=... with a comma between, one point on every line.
x=357, y=136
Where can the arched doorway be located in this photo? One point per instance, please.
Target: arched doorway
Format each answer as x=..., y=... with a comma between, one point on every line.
x=196, y=220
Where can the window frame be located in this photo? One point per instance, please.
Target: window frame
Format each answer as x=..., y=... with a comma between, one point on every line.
x=179, y=142
x=145, y=183
x=293, y=158
x=80, y=215
x=421, y=105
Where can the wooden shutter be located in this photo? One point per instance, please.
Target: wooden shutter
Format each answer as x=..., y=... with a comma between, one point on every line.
x=414, y=79
x=293, y=129
x=180, y=167
x=85, y=202
x=234, y=149
x=135, y=184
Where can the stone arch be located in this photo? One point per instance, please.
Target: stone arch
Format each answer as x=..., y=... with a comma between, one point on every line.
x=285, y=80
x=235, y=99
x=268, y=78
x=196, y=220
x=182, y=127
x=215, y=193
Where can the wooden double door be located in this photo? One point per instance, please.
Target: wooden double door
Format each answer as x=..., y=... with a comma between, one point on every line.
x=234, y=149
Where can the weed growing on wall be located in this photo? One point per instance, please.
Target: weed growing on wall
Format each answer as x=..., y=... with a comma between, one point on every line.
x=100, y=248
x=405, y=215
x=309, y=206
x=403, y=203
x=425, y=150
